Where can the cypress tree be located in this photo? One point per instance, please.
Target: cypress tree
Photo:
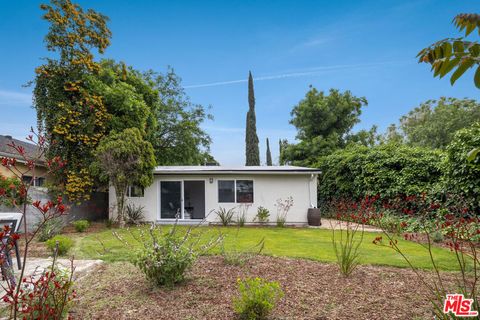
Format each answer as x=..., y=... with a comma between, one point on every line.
x=252, y=152
x=269, y=154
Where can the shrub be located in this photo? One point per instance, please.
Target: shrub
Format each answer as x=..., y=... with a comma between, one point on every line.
x=225, y=216
x=262, y=215
x=242, y=214
x=134, y=214
x=387, y=170
x=283, y=207
x=64, y=244
x=165, y=257
x=345, y=240
x=48, y=296
x=48, y=229
x=81, y=225
x=437, y=236
x=257, y=298
x=462, y=176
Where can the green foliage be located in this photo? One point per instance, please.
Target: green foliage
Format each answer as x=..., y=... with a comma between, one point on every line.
x=11, y=187
x=257, y=298
x=49, y=229
x=134, y=213
x=179, y=138
x=367, y=138
x=434, y=123
x=165, y=256
x=166, y=262
x=68, y=112
x=233, y=255
x=81, y=225
x=322, y=122
x=387, y=170
x=64, y=244
x=252, y=152
x=462, y=175
x=263, y=214
x=455, y=53
x=124, y=159
x=269, y=154
x=346, y=243
x=225, y=216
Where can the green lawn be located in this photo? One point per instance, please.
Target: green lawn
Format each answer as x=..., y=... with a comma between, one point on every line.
x=314, y=244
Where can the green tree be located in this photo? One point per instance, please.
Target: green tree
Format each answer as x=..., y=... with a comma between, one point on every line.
x=455, y=53
x=72, y=118
x=367, y=138
x=434, y=123
x=252, y=152
x=322, y=122
x=392, y=135
x=124, y=159
x=179, y=139
x=269, y=154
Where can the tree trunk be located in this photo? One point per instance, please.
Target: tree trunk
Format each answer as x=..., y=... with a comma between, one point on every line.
x=120, y=192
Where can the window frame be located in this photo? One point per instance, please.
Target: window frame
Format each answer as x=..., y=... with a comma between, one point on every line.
x=235, y=190
x=129, y=192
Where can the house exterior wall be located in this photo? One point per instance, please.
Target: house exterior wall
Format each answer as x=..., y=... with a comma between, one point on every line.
x=39, y=171
x=267, y=189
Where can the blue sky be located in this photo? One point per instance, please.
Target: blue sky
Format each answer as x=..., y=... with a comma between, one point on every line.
x=368, y=47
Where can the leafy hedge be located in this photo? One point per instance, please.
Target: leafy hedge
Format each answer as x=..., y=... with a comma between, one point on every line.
x=463, y=176
x=388, y=170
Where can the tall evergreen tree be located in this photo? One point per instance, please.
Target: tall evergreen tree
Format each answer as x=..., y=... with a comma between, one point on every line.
x=269, y=154
x=252, y=152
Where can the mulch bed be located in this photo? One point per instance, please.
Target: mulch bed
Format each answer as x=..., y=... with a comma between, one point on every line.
x=313, y=290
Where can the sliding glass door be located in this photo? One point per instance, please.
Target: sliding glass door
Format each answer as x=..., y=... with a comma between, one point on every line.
x=170, y=199
x=182, y=199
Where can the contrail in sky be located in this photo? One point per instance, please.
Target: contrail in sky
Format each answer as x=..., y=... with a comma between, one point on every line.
x=309, y=72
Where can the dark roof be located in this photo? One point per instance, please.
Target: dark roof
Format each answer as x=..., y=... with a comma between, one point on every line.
x=31, y=150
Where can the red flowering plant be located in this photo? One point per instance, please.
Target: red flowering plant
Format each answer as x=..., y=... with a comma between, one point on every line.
x=460, y=227
x=33, y=297
x=348, y=230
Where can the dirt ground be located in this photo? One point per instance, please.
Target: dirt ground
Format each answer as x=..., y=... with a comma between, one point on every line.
x=313, y=290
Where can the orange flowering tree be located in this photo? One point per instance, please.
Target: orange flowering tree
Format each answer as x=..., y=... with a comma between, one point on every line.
x=69, y=114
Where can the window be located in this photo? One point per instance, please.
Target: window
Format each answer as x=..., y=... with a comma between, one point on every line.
x=37, y=182
x=135, y=191
x=235, y=191
x=226, y=191
x=27, y=179
x=244, y=191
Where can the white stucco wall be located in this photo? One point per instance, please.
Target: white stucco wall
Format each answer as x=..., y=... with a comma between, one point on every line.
x=267, y=189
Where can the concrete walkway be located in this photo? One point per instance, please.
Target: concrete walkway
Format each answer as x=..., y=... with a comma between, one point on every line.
x=82, y=267
x=339, y=224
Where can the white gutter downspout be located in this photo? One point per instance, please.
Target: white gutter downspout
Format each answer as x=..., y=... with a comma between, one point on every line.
x=312, y=176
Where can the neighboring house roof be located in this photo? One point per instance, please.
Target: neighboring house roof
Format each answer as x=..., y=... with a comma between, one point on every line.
x=31, y=150
x=234, y=170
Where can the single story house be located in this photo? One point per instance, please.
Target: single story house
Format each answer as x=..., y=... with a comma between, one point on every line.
x=195, y=192
x=31, y=150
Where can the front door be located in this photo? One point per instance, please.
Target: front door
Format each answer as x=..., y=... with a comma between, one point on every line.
x=182, y=199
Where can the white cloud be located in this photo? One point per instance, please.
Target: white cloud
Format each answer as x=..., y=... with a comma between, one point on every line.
x=306, y=72
x=14, y=98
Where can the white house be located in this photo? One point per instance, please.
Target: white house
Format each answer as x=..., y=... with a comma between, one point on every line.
x=194, y=192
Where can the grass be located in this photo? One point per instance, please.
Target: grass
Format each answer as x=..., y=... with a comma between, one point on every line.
x=313, y=244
